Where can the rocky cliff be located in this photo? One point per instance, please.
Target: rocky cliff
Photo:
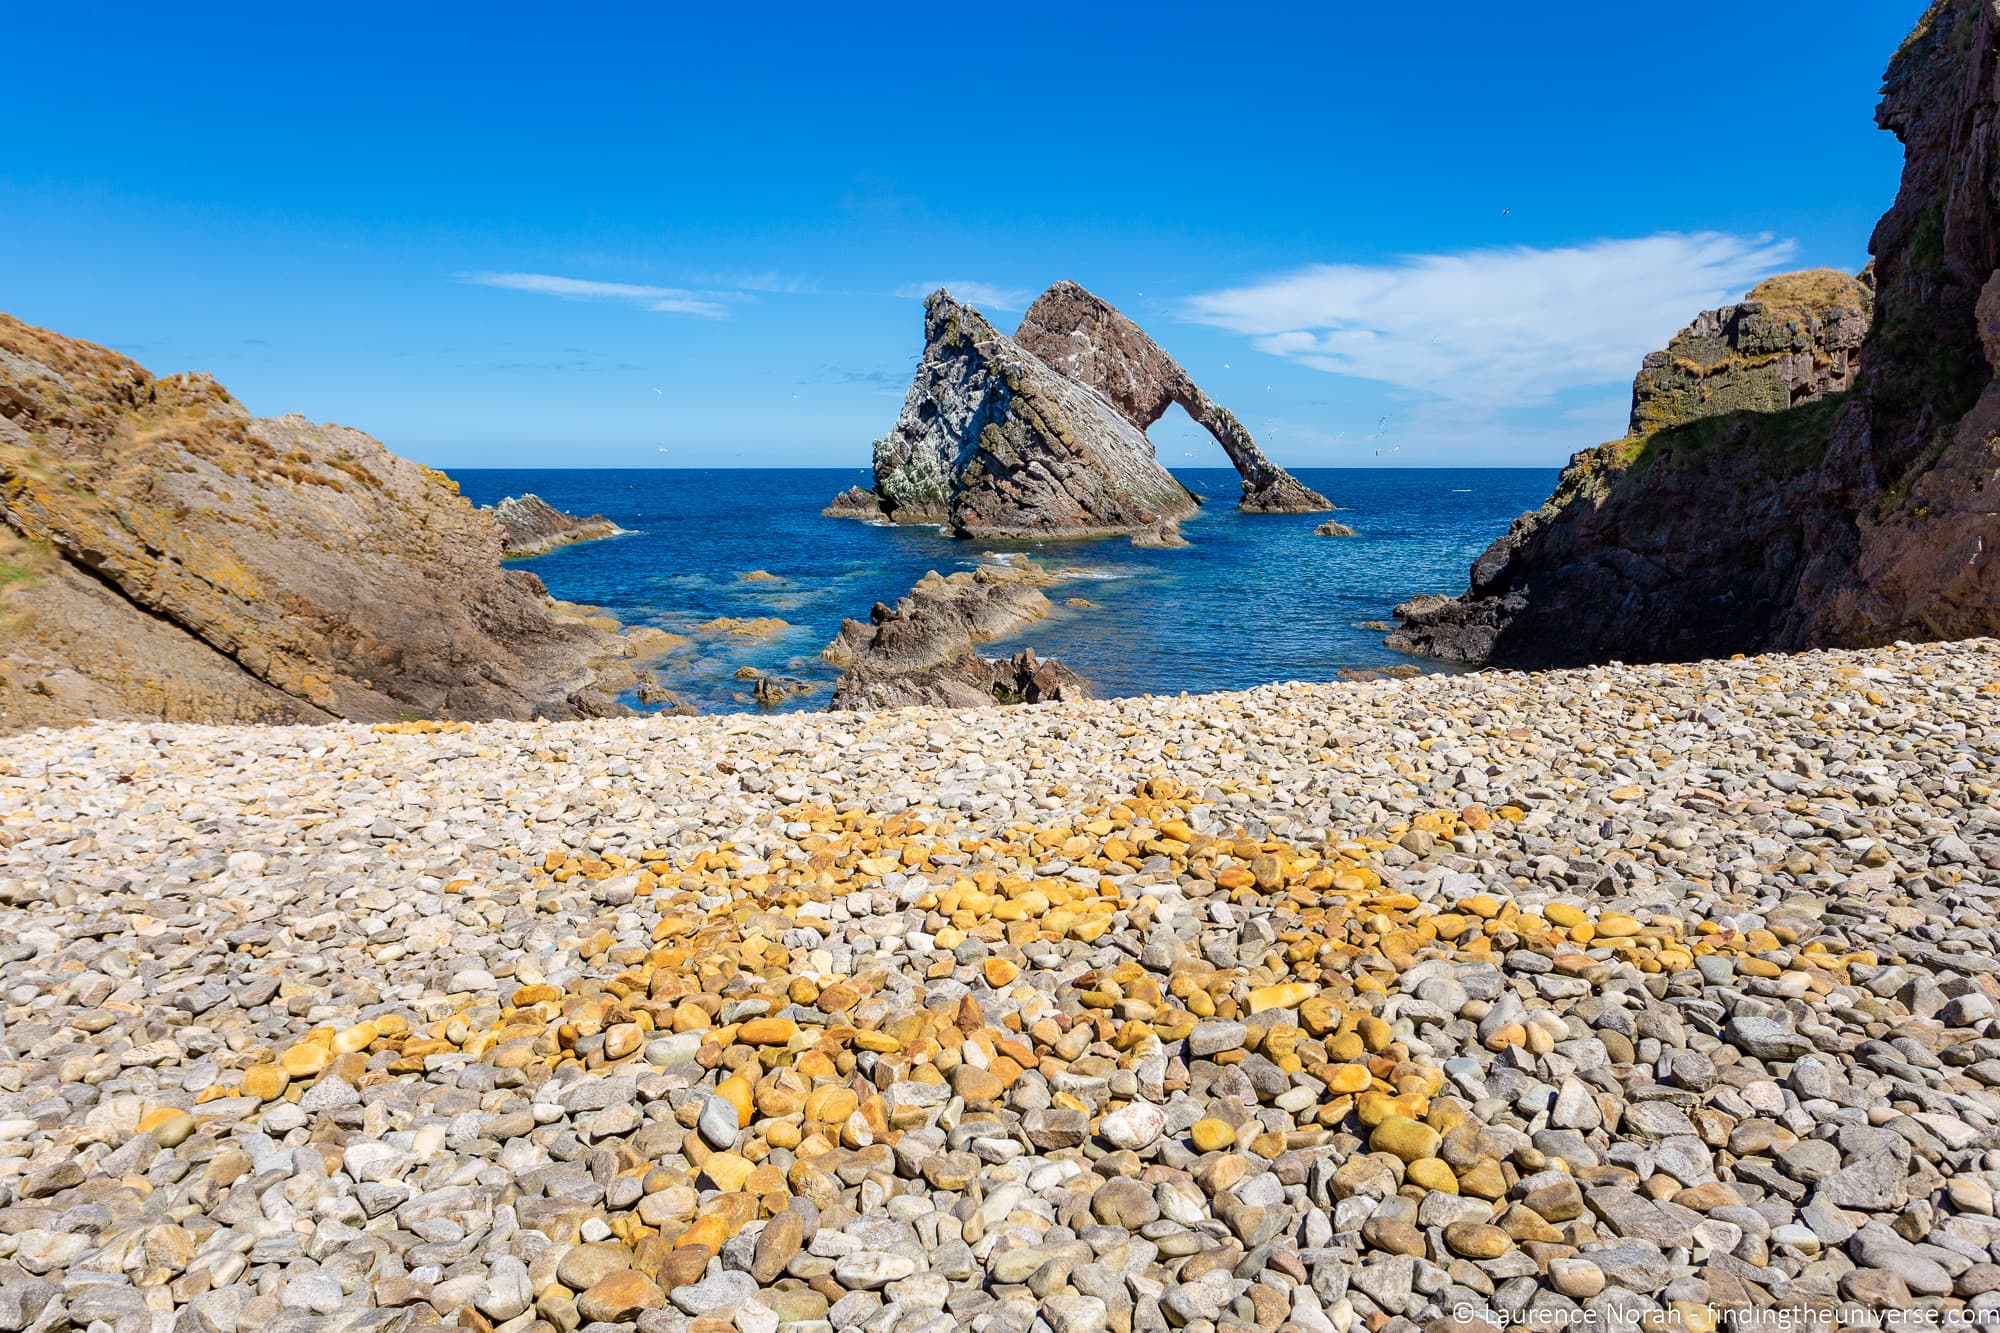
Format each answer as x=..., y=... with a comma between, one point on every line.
x=1684, y=538
x=1783, y=487
x=165, y=555
x=992, y=442
x=530, y=525
x=1084, y=337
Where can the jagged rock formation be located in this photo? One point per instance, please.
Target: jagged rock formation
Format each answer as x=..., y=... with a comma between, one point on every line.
x=921, y=650
x=854, y=502
x=1084, y=337
x=1160, y=536
x=530, y=525
x=1903, y=529
x=966, y=681
x=164, y=555
x=993, y=443
x=1759, y=506
x=942, y=617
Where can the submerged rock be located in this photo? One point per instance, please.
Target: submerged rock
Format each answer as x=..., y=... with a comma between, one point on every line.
x=530, y=525
x=1333, y=528
x=1159, y=535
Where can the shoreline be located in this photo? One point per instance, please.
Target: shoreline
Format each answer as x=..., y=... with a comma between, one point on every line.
x=1321, y=998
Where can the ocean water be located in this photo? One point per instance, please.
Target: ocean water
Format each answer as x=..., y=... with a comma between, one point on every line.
x=1254, y=598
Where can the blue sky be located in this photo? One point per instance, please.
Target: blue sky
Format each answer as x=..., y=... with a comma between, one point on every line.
x=638, y=236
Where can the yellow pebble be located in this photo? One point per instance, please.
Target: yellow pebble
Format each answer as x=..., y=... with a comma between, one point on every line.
x=304, y=1060
x=356, y=1038
x=1287, y=996
x=1433, y=1174
x=1212, y=1135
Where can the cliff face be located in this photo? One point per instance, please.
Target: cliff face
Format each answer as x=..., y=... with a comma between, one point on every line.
x=1684, y=538
x=165, y=555
x=1904, y=528
x=992, y=442
x=1085, y=338
x=1789, y=483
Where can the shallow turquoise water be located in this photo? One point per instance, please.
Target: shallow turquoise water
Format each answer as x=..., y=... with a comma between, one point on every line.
x=1255, y=598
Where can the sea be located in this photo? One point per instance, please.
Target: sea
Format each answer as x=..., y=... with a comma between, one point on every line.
x=1252, y=599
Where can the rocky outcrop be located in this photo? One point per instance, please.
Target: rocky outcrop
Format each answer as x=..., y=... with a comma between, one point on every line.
x=530, y=525
x=854, y=502
x=1085, y=338
x=165, y=555
x=1785, y=487
x=1683, y=538
x=942, y=617
x=965, y=681
x=991, y=442
x=921, y=650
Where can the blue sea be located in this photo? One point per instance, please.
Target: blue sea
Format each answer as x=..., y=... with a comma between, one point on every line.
x=1254, y=598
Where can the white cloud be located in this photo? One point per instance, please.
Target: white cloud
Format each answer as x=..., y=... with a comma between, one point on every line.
x=667, y=300
x=982, y=294
x=1501, y=327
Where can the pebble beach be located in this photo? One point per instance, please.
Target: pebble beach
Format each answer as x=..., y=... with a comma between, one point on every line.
x=1655, y=997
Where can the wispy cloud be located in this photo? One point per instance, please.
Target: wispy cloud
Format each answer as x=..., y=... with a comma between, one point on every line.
x=1502, y=327
x=769, y=281
x=985, y=295
x=667, y=300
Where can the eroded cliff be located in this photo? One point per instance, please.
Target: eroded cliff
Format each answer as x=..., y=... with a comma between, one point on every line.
x=1044, y=433
x=163, y=554
x=992, y=442
x=1084, y=337
x=1789, y=483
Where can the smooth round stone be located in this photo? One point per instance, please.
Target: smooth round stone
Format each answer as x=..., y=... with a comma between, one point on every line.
x=1211, y=1135
x=1578, y=1279
x=1135, y=1126
x=717, y=1125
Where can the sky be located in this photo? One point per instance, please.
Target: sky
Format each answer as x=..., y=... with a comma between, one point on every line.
x=640, y=235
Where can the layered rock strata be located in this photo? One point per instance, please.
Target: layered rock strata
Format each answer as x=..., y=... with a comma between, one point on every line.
x=1084, y=337
x=922, y=649
x=991, y=442
x=1043, y=434
x=163, y=554
x=530, y=525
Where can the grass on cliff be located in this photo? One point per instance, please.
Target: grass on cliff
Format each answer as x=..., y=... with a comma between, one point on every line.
x=1813, y=289
x=23, y=564
x=1790, y=441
